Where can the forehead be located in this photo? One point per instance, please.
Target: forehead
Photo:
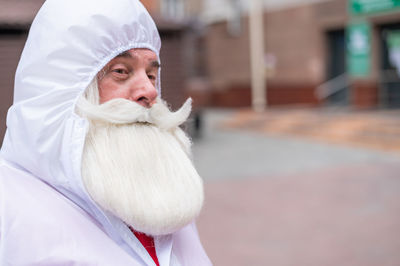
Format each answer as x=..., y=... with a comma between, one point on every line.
x=138, y=54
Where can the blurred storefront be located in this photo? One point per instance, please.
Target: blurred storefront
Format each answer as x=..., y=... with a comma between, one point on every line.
x=317, y=52
x=373, y=52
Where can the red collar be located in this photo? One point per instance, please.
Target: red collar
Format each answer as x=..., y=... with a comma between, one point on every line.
x=148, y=244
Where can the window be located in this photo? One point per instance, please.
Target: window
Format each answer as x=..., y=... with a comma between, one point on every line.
x=173, y=9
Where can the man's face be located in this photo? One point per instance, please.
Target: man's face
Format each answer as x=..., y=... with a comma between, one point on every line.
x=136, y=163
x=131, y=75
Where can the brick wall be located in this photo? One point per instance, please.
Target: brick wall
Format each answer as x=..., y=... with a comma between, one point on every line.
x=228, y=62
x=292, y=37
x=172, y=72
x=364, y=94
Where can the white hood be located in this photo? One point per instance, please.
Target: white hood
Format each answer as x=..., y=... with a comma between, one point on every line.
x=69, y=42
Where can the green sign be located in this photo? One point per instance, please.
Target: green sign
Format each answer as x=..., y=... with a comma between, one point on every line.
x=358, y=49
x=359, y=7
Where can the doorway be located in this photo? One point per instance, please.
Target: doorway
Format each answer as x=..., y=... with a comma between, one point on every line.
x=389, y=78
x=336, y=67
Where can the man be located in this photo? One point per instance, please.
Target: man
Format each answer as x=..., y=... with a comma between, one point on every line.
x=95, y=169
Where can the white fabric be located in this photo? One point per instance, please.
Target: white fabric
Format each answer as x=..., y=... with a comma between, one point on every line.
x=69, y=42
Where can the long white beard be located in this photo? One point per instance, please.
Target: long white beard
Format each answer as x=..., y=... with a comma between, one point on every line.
x=136, y=165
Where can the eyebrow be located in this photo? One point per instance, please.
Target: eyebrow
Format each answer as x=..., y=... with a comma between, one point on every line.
x=126, y=54
x=155, y=64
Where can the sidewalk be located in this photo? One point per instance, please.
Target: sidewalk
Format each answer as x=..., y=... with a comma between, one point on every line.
x=282, y=197
x=371, y=129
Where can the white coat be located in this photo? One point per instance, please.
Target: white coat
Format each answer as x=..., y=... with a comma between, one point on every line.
x=46, y=215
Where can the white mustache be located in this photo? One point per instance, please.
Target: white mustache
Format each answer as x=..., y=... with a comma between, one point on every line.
x=123, y=111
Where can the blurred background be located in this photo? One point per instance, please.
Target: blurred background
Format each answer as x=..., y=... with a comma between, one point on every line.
x=296, y=122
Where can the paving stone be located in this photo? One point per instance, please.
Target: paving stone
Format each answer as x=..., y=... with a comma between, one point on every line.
x=282, y=199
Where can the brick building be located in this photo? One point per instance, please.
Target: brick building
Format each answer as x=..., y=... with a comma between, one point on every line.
x=305, y=47
x=205, y=52
x=182, y=51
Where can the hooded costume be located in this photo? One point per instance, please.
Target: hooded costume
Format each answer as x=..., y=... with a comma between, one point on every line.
x=46, y=214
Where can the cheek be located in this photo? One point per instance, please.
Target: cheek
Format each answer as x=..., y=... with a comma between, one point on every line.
x=109, y=90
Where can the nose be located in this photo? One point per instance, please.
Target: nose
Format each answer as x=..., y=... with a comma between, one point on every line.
x=144, y=93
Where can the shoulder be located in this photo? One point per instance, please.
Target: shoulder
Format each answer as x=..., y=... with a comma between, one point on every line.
x=7, y=182
x=39, y=224
x=25, y=195
x=188, y=248
x=19, y=191
x=16, y=184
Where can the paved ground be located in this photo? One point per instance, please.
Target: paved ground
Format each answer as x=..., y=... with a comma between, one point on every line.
x=371, y=129
x=279, y=198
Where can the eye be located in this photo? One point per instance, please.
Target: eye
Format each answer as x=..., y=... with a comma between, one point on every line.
x=121, y=71
x=152, y=77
